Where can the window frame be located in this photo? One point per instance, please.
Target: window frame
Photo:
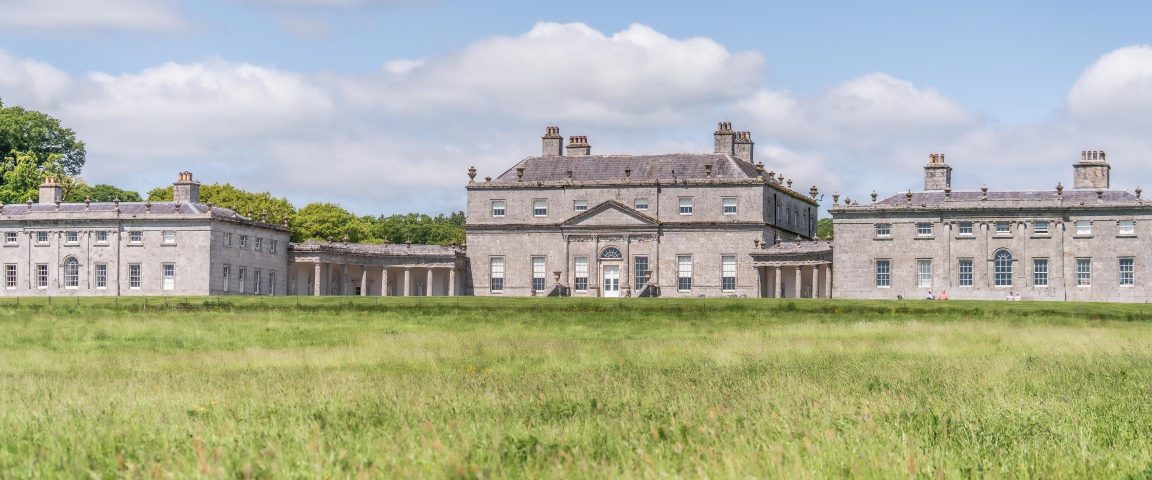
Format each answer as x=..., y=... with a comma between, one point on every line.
x=244, y=242
x=965, y=277
x=256, y=280
x=496, y=276
x=1040, y=271
x=1083, y=228
x=241, y=278
x=497, y=212
x=686, y=205
x=882, y=230
x=1127, y=273
x=640, y=265
x=640, y=206
x=924, y=275
x=71, y=272
x=684, y=265
x=11, y=238
x=965, y=229
x=1037, y=230
x=258, y=244
x=135, y=278
x=42, y=276
x=882, y=268
x=42, y=238
x=71, y=237
x=924, y=229
x=724, y=205
x=135, y=237
x=1003, y=229
x=168, y=237
x=11, y=276
x=226, y=276
x=168, y=276
x=101, y=237
x=580, y=205
x=539, y=265
x=1084, y=271
x=539, y=207
x=1121, y=231
x=1002, y=268
x=100, y=274
x=580, y=273
x=728, y=273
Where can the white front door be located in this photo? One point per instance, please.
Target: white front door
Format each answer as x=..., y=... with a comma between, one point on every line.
x=611, y=280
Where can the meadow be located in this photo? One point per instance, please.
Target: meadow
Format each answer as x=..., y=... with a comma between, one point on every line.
x=530, y=388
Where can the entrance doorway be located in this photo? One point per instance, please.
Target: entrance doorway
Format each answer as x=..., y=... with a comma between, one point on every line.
x=611, y=280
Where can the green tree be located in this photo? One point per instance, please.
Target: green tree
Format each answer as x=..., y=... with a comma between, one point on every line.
x=99, y=193
x=824, y=228
x=23, y=174
x=249, y=204
x=42, y=137
x=418, y=228
x=328, y=221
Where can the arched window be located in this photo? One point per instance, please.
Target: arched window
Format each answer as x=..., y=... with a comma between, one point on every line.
x=71, y=272
x=1002, y=268
x=611, y=253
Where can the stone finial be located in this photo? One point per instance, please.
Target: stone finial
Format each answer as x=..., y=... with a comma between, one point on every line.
x=519, y=174
x=836, y=198
x=58, y=205
x=760, y=168
x=471, y=173
x=813, y=191
x=707, y=170
x=1099, y=194
x=756, y=243
x=87, y=203
x=874, y=195
x=948, y=192
x=627, y=173
x=1059, y=189
x=789, y=183
x=984, y=192
x=780, y=178
x=488, y=179
x=147, y=207
x=264, y=216
x=1138, y=192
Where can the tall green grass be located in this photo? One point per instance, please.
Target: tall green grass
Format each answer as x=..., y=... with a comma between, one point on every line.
x=467, y=387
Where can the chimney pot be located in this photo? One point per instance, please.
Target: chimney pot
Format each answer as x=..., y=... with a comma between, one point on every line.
x=186, y=190
x=552, y=143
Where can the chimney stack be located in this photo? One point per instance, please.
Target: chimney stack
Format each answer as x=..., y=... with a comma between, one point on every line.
x=553, y=142
x=743, y=146
x=186, y=190
x=724, y=138
x=937, y=174
x=1092, y=171
x=51, y=191
x=578, y=145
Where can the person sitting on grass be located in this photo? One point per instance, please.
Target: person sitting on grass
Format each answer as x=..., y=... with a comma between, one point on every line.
x=943, y=295
x=930, y=296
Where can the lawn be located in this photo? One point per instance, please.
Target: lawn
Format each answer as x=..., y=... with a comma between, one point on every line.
x=468, y=387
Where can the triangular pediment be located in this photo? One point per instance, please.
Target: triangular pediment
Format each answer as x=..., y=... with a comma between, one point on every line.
x=610, y=213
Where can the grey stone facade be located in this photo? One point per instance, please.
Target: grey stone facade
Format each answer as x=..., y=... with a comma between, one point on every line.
x=624, y=225
x=1083, y=244
x=51, y=248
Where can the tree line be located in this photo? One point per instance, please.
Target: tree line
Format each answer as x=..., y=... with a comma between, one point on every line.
x=35, y=146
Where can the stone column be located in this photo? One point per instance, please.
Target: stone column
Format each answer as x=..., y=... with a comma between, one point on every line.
x=827, y=280
x=452, y=282
x=428, y=284
x=407, y=281
x=383, y=281
x=363, y=280
x=796, y=273
x=316, y=280
x=344, y=281
x=778, y=284
x=815, y=281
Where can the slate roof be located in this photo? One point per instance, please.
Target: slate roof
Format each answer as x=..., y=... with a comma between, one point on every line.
x=1018, y=196
x=375, y=249
x=676, y=166
x=130, y=209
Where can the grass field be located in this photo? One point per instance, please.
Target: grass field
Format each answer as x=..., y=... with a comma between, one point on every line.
x=448, y=387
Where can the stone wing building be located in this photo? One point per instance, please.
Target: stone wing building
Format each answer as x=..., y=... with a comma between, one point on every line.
x=1087, y=243
x=567, y=222
x=182, y=247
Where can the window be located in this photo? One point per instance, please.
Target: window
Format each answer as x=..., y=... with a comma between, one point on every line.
x=579, y=205
x=923, y=229
x=169, y=237
x=538, y=274
x=71, y=273
x=1127, y=272
x=41, y=237
x=256, y=281
x=273, y=246
x=581, y=280
x=259, y=245
x=243, y=272
x=101, y=236
x=134, y=276
x=1003, y=228
x=965, y=228
x=729, y=204
x=101, y=275
x=498, y=208
x=10, y=275
x=964, y=268
x=1084, y=272
x=1040, y=227
x=227, y=239
x=924, y=273
x=1126, y=227
x=71, y=237
x=640, y=271
x=641, y=204
x=135, y=236
x=272, y=282
x=226, y=274
x=1002, y=268
x=611, y=253
x=685, y=205
x=883, y=229
x=728, y=273
x=1040, y=272
x=10, y=238
x=243, y=241
x=496, y=270
x=684, y=273
x=41, y=275
x=883, y=273
x=169, y=271
x=540, y=208
x=1083, y=227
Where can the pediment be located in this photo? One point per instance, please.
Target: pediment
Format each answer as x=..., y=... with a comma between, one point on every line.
x=610, y=213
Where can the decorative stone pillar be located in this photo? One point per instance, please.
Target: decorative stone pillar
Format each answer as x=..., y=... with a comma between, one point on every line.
x=383, y=281
x=363, y=280
x=796, y=273
x=316, y=277
x=815, y=281
x=452, y=282
x=778, y=284
x=428, y=284
x=827, y=280
x=407, y=281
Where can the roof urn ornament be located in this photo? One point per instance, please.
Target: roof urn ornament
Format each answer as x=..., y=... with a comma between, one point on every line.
x=87, y=203
x=471, y=173
x=1059, y=188
x=874, y=195
x=836, y=198
x=908, y=196
x=984, y=192
x=519, y=174
x=1138, y=192
x=147, y=207
x=812, y=192
x=789, y=183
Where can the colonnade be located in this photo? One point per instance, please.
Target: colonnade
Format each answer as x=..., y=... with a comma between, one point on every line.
x=796, y=281
x=326, y=278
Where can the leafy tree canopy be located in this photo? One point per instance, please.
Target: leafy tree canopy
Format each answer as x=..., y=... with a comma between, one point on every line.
x=418, y=228
x=330, y=222
x=81, y=191
x=40, y=137
x=824, y=228
x=249, y=204
x=23, y=174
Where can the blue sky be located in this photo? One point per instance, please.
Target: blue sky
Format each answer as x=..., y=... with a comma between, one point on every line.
x=381, y=105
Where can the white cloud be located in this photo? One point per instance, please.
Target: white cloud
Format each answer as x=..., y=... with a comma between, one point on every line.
x=30, y=80
x=145, y=15
x=1116, y=91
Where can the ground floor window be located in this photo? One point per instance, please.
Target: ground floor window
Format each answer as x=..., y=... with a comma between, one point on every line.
x=1002, y=268
x=924, y=273
x=169, y=271
x=539, y=276
x=256, y=282
x=101, y=275
x=728, y=273
x=496, y=271
x=1127, y=271
x=684, y=273
x=272, y=283
x=1040, y=272
x=71, y=273
x=10, y=275
x=964, y=270
x=240, y=279
x=226, y=275
x=640, y=271
x=581, y=275
x=134, y=275
x=883, y=273
x=1084, y=272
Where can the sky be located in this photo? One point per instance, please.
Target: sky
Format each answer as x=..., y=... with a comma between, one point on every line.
x=382, y=105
